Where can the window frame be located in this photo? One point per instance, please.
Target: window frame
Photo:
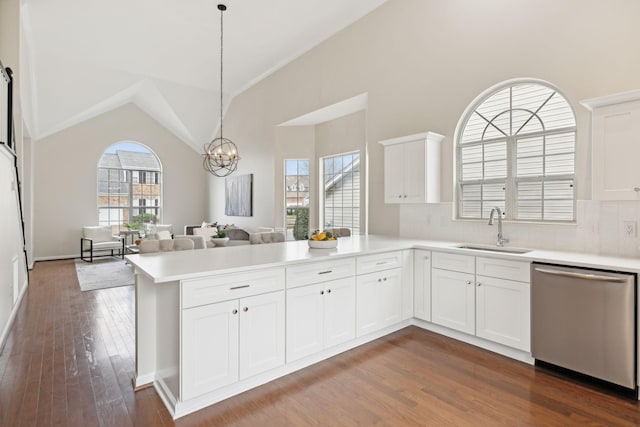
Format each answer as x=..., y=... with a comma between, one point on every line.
x=511, y=181
x=298, y=191
x=322, y=197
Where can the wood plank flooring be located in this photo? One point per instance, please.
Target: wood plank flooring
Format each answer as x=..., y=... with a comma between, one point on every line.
x=70, y=358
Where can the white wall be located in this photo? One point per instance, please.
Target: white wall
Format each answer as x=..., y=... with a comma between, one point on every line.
x=65, y=178
x=13, y=270
x=423, y=61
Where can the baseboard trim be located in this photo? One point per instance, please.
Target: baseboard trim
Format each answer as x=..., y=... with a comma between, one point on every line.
x=12, y=316
x=54, y=258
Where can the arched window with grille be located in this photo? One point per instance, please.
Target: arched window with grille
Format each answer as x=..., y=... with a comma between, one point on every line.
x=515, y=150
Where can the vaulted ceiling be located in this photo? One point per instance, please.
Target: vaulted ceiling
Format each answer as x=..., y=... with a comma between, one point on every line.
x=83, y=58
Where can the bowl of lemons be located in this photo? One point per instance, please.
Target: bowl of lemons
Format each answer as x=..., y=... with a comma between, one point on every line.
x=322, y=240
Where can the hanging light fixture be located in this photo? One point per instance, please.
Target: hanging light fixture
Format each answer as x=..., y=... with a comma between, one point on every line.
x=221, y=155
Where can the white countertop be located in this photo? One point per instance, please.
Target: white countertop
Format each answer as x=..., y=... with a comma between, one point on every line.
x=171, y=266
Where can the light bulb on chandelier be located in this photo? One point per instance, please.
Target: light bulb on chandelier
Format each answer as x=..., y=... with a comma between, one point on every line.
x=220, y=155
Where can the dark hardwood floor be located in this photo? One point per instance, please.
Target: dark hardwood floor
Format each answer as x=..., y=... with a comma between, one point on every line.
x=70, y=358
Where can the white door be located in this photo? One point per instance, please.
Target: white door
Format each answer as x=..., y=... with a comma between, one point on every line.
x=391, y=297
x=261, y=333
x=502, y=312
x=339, y=311
x=304, y=321
x=369, y=303
x=414, y=172
x=209, y=348
x=393, y=174
x=453, y=300
x=422, y=285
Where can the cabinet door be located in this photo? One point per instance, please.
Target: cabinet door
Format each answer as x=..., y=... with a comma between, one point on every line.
x=339, y=311
x=422, y=285
x=304, y=321
x=261, y=333
x=209, y=348
x=414, y=172
x=453, y=300
x=379, y=300
x=616, y=147
x=393, y=174
x=503, y=312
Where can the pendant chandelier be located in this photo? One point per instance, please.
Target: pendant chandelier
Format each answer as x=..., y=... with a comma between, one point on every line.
x=221, y=155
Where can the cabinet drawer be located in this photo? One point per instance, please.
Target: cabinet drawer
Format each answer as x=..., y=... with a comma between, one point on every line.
x=196, y=292
x=453, y=262
x=315, y=272
x=503, y=269
x=379, y=262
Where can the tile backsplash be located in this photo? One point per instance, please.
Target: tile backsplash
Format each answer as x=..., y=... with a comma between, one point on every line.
x=605, y=228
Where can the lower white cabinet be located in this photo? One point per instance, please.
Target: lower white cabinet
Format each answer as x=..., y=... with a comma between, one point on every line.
x=503, y=311
x=486, y=297
x=453, y=299
x=231, y=340
x=320, y=316
x=379, y=302
x=422, y=284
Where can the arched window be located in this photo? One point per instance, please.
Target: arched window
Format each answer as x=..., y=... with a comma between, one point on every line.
x=129, y=186
x=516, y=150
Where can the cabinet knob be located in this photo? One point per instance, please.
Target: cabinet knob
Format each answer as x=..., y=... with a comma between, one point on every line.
x=379, y=280
x=399, y=196
x=479, y=284
x=468, y=282
x=328, y=291
x=245, y=309
x=385, y=279
x=405, y=196
x=234, y=311
x=321, y=292
x=636, y=189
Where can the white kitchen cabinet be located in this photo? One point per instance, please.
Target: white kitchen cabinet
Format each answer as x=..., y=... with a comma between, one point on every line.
x=453, y=299
x=482, y=296
x=412, y=168
x=407, y=284
x=615, y=144
x=422, y=284
x=320, y=316
x=379, y=301
x=503, y=311
x=231, y=340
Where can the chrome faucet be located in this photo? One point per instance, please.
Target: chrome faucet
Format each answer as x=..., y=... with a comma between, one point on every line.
x=501, y=240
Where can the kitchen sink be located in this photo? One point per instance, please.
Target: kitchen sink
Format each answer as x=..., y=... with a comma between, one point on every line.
x=494, y=249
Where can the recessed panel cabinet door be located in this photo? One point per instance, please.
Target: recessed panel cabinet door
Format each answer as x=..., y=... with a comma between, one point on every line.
x=261, y=333
x=453, y=300
x=209, y=348
x=422, y=285
x=414, y=172
x=305, y=307
x=339, y=311
x=394, y=174
x=503, y=311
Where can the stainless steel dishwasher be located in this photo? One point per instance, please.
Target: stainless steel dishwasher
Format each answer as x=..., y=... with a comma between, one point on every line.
x=584, y=320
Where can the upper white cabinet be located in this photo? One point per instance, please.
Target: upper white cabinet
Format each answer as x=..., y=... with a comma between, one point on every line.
x=412, y=168
x=615, y=133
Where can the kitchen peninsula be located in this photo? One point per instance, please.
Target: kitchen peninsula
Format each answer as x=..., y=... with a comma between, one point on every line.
x=213, y=323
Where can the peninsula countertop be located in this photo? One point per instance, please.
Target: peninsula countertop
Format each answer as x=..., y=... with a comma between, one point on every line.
x=179, y=265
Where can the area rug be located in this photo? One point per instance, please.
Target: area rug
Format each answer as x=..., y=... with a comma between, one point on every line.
x=103, y=273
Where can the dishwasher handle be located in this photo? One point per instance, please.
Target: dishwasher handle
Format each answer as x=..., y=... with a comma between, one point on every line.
x=584, y=276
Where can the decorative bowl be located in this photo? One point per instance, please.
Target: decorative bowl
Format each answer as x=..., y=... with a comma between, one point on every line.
x=220, y=241
x=322, y=244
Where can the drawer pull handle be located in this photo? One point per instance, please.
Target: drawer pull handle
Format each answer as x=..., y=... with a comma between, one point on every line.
x=239, y=287
x=325, y=272
x=381, y=262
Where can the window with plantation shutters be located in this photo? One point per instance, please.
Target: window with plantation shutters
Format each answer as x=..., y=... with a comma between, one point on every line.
x=516, y=151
